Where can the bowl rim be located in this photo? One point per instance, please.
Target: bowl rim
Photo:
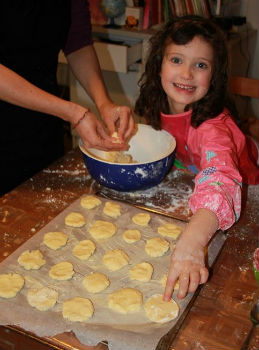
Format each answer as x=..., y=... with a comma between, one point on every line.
x=90, y=155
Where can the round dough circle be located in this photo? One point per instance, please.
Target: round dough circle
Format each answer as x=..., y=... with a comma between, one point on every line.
x=142, y=272
x=125, y=300
x=164, y=279
x=10, y=284
x=115, y=259
x=55, y=240
x=158, y=310
x=42, y=298
x=102, y=229
x=112, y=209
x=75, y=219
x=156, y=247
x=169, y=230
x=131, y=236
x=62, y=271
x=31, y=259
x=141, y=219
x=84, y=249
x=96, y=282
x=77, y=309
x=90, y=202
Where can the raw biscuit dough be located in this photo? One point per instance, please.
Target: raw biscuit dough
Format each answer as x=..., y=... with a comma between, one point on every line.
x=141, y=219
x=158, y=310
x=142, y=272
x=102, y=229
x=77, y=309
x=164, y=279
x=55, y=240
x=96, y=282
x=10, y=284
x=90, y=202
x=42, y=298
x=84, y=249
x=62, y=271
x=131, y=236
x=115, y=259
x=125, y=300
x=75, y=219
x=169, y=230
x=112, y=209
x=31, y=259
x=156, y=247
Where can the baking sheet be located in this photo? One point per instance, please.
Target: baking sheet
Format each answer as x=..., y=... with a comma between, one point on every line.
x=128, y=332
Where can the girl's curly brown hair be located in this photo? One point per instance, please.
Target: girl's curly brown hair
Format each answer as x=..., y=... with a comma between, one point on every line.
x=152, y=99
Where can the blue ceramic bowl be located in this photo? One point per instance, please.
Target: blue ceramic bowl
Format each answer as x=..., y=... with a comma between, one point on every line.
x=152, y=150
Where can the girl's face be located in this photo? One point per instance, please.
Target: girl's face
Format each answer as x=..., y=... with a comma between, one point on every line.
x=186, y=72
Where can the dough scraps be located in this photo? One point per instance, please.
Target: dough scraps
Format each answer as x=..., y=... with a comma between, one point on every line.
x=75, y=219
x=84, y=249
x=77, y=309
x=31, y=259
x=102, y=229
x=164, y=279
x=42, y=298
x=158, y=310
x=131, y=236
x=156, y=247
x=115, y=259
x=90, y=202
x=62, y=271
x=169, y=230
x=141, y=219
x=112, y=209
x=10, y=284
x=142, y=272
x=55, y=240
x=96, y=282
x=125, y=300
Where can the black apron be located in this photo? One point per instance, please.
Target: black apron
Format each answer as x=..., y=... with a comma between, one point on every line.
x=32, y=32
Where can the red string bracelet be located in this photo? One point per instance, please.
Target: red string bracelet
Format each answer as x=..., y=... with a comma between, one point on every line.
x=79, y=121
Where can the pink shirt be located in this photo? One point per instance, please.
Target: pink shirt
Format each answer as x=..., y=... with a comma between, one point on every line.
x=222, y=157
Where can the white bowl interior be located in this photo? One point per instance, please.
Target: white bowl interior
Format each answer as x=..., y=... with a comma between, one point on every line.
x=147, y=145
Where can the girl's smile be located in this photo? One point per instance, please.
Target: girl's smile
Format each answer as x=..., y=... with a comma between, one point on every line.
x=186, y=72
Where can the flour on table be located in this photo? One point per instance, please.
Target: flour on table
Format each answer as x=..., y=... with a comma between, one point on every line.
x=42, y=298
x=31, y=259
x=112, y=209
x=62, y=271
x=141, y=272
x=10, y=284
x=141, y=219
x=77, y=309
x=156, y=247
x=75, y=219
x=55, y=240
x=158, y=310
x=96, y=282
x=131, y=236
x=90, y=202
x=115, y=259
x=126, y=300
x=101, y=229
x=84, y=249
x=169, y=230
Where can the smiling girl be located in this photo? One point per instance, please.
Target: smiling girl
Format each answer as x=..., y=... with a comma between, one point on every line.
x=184, y=91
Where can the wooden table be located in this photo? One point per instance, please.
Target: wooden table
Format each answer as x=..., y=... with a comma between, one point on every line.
x=219, y=316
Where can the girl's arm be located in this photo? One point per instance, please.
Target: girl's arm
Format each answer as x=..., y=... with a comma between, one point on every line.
x=188, y=258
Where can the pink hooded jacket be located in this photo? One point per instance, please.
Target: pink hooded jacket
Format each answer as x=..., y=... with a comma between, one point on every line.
x=223, y=158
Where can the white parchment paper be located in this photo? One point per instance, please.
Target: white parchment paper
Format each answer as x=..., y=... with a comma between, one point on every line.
x=128, y=332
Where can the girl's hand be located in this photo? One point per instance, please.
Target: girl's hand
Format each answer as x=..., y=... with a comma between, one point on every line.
x=188, y=267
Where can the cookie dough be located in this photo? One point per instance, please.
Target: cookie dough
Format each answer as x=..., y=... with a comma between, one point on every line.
x=75, y=219
x=164, y=279
x=55, y=240
x=112, y=209
x=169, y=230
x=131, y=236
x=126, y=300
x=102, y=229
x=141, y=219
x=62, y=271
x=42, y=298
x=96, y=282
x=142, y=272
x=158, y=310
x=90, y=202
x=156, y=247
x=31, y=259
x=77, y=309
x=84, y=249
x=10, y=284
x=115, y=259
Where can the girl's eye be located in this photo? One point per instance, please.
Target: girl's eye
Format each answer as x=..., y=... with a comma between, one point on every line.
x=176, y=60
x=201, y=65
